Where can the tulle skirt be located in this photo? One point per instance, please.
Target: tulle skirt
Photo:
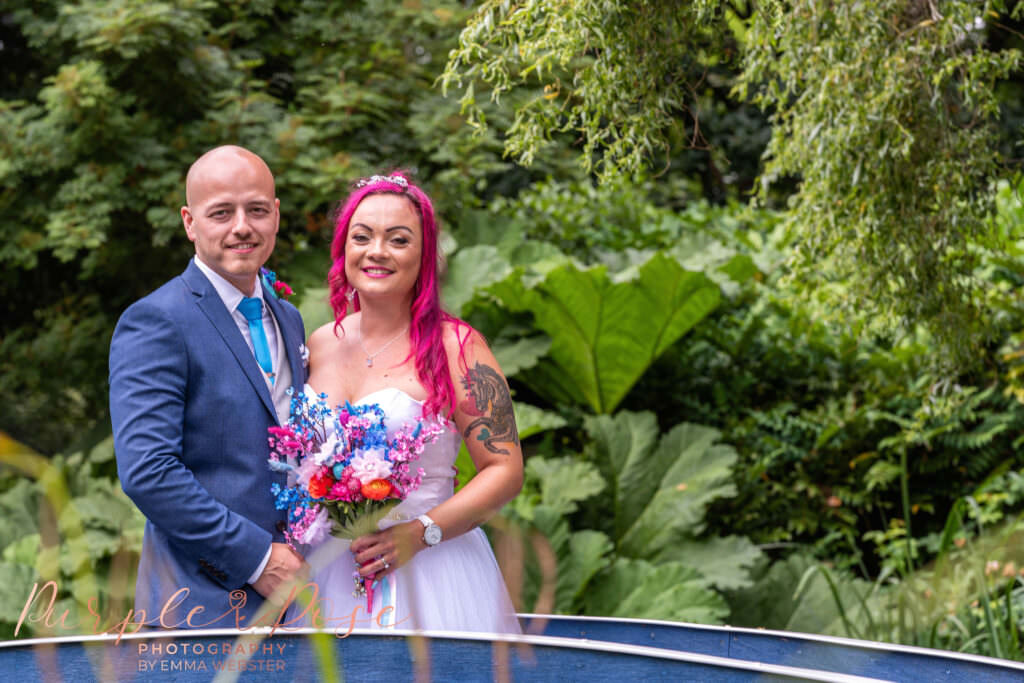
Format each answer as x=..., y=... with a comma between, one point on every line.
x=454, y=586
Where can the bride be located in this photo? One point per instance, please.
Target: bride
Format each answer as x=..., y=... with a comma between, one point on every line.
x=432, y=563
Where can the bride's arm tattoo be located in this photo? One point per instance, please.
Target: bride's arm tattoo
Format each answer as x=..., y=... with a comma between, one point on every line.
x=489, y=398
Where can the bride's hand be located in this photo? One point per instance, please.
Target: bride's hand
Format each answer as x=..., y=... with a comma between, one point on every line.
x=382, y=553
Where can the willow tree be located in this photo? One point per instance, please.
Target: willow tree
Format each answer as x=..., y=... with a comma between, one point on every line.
x=881, y=110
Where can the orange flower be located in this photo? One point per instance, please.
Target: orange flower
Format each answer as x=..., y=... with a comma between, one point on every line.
x=378, y=489
x=319, y=484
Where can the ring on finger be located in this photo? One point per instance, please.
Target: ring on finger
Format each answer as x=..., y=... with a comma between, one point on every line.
x=385, y=563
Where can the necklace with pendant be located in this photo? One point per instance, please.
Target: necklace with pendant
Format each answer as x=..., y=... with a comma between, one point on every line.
x=371, y=356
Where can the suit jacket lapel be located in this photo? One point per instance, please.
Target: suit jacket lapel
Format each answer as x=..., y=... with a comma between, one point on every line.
x=213, y=307
x=290, y=337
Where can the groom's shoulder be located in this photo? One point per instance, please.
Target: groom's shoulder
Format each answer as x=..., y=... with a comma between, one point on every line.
x=171, y=293
x=168, y=298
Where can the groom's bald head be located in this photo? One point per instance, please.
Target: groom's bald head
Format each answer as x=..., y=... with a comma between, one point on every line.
x=215, y=158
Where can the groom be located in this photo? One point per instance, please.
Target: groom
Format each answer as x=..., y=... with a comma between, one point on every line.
x=199, y=369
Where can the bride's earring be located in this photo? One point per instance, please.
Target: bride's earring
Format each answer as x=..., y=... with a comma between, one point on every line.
x=351, y=295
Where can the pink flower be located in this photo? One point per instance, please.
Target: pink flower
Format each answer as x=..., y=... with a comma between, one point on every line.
x=370, y=464
x=340, y=491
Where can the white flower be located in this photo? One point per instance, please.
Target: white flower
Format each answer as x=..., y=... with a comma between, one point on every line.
x=318, y=529
x=327, y=450
x=305, y=471
x=370, y=464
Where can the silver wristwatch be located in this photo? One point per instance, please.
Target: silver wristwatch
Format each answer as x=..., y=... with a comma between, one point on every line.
x=431, y=531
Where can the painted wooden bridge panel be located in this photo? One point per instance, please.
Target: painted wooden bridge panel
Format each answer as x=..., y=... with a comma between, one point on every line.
x=862, y=658
x=560, y=649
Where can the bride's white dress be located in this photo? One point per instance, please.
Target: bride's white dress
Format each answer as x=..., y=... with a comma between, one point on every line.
x=454, y=586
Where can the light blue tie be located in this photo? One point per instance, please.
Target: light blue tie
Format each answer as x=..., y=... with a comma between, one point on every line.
x=252, y=309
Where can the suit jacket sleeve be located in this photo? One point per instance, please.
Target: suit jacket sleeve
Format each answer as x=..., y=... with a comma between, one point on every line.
x=148, y=378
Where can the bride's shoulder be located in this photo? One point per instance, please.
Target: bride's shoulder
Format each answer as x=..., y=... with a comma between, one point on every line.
x=464, y=346
x=326, y=336
x=456, y=334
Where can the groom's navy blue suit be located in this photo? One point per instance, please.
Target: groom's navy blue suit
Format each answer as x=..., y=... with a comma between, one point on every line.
x=190, y=410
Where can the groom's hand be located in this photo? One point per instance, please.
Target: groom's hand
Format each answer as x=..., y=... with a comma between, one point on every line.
x=284, y=567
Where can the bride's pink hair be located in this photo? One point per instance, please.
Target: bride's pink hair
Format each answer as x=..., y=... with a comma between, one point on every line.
x=426, y=326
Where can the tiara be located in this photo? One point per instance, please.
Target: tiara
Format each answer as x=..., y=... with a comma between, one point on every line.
x=393, y=179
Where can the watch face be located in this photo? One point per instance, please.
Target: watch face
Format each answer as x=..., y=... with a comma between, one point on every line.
x=432, y=534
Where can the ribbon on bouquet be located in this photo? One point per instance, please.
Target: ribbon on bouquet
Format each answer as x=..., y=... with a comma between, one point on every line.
x=388, y=598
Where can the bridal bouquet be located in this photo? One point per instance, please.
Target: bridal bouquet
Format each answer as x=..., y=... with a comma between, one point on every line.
x=344, y=473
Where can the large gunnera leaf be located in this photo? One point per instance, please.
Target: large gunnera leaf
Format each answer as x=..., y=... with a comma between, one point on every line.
x=660, y=491
x=531, y=420
x=605, y=332
x=472, y=268
x=557, y=557
x=726, y=561
x=562, y=559
x=641, y=590
x=520, y=354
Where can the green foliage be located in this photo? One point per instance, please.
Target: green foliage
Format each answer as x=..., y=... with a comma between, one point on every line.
x=883, y=121
x=614, y=74
x=884, y=109
x=796, y=594
x=659, y=487
x=531, y=420
x=471, y=268
x=726, y=562
x=606, y=331
x=968, y=599
x=620, y=531
x=594, y=223
x=666, y=591
x=70, y=524
x=116, y=99
x=818, y=414
x=563, y=561
x=574, y=568
x=827, y=424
